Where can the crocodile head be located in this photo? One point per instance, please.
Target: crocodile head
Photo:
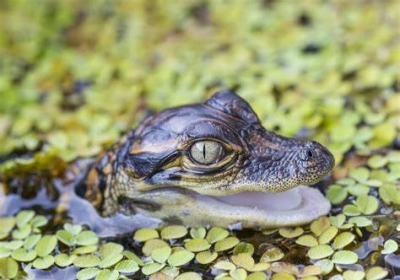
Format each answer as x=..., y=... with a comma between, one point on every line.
x=215, y=164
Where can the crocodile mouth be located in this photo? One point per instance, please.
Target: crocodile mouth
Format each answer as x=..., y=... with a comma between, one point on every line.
x=293, y=207
x=173, y=205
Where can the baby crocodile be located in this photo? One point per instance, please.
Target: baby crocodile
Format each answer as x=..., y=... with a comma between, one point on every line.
x=210, y=164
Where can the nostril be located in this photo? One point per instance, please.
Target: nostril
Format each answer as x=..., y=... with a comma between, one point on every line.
x=310, y=153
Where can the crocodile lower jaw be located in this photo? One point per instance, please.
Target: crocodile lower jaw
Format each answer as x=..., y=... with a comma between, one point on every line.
x=297, y=206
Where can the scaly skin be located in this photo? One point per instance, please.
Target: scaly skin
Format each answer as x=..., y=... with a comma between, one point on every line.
x=130, y=177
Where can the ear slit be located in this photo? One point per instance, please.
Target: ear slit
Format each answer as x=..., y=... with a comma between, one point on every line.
x=146, y=164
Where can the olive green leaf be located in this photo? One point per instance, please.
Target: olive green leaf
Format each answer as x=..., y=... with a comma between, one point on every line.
x=46, y=245
x=197, y=245
x=226, y=244
x=8, y=268
x=64, y=260
x=161, y=255
x=390, y=246
x=320, y=252
x=216, y=234
x=107, y=274
x=173, y=232
x=23, y=255
x=180, y=258
x=23, y=217
x=127, y=266
x=344, y=257
x=87, y=238
x=86, y=261
x=87, y=273
x=43, y=262
x=145, y=234
x=151, y=268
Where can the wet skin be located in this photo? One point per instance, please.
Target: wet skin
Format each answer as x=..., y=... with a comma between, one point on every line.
x=210, y=164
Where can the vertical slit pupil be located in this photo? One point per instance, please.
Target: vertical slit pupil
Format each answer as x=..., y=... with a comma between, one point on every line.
x=204, y=151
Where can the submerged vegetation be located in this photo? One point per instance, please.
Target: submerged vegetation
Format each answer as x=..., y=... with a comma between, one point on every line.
x=76, y=74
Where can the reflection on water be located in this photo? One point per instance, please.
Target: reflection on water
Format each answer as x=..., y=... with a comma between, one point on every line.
x=76, y=210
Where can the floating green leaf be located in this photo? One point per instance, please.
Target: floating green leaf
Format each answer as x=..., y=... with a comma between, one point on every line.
x=390, y=246
x=132, y=256
x=161, y=255
x=390, y=194
x=109, y=249
x=152, y=244
x=180, y=258
x=325, y=265
x=206, y=257
x=353, y=275
x=197, y=245
x=64, y=260
x=87, y=273
x=225, y=265
x=86, y=261
x=85, y=250
x=320, y=252
x=23, y=217
x=31, y=241
x=216, y=234
x=272, y=254
x=257, y=276
x=226, y=244
x=173, y=232
x=338, y=220
x=151, y=268
x=367, y=204
x=39, y=221
x=360, y=174
x=110, y=260
x=22, y=255
x=291, y=232
x=127, y=266
x=351, y=210
x=87, y=238
x=320, y=225
x=22, y=232
x=43, y=262
x=376, y=273
x=46, y=245
x=244, y=247
x=307, y=240
x=189, y=276
x=328, y=235
x=198, y=232
x=66, y=237
x=6, y=225
x=336, y=194
x=238, y=274
x=73, y=229
x=8, y=268
x=343, y=239
x=344, y=257
x=107, y=274
x=360, y=221
x=243, y=260
x=145, y=234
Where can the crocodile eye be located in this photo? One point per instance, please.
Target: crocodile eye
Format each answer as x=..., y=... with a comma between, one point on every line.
x=206, y=152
